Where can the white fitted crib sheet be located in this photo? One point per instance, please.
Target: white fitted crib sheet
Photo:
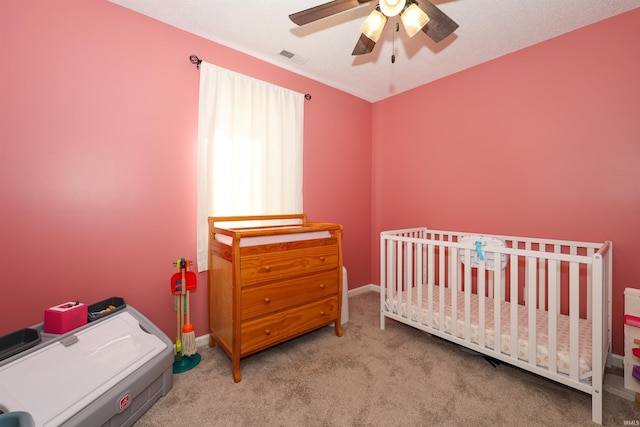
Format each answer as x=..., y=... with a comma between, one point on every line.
x=542, y=350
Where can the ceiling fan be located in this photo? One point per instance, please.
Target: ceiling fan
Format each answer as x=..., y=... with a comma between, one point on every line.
x=416, y=15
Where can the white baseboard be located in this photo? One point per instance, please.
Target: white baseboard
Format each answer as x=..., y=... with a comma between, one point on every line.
x=364, y=289
x=614, y=383
x=202, y=340
x=617, y=361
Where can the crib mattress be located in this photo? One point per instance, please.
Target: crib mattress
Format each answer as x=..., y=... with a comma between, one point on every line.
x=421, y=314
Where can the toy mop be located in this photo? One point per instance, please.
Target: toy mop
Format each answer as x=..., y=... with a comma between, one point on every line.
x=182, y=283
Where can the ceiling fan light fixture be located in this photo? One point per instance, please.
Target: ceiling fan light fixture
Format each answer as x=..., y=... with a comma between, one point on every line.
x=392, y=7
x=414, y=19
x=373, y=25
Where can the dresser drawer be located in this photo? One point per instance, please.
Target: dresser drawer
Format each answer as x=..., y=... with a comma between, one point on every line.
x=263, y=299
x=266, y=331
x=277, y=265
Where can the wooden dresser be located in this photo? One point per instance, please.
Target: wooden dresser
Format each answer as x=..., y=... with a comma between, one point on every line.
x=271, y=278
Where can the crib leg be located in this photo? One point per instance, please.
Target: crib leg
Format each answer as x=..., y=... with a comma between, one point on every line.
x=596, y=406
x=382, y=325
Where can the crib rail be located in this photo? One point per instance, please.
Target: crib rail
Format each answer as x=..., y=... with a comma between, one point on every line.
x=553, y=295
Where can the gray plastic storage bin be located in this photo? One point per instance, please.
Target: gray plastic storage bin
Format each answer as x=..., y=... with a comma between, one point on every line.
x=106, y=373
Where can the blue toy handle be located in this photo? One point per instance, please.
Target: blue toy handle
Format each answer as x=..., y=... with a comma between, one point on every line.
x=479, y=250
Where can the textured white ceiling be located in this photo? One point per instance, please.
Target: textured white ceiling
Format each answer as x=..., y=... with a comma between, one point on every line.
x=488, y=29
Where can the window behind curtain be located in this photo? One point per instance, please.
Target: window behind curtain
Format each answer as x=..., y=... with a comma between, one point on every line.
x=249, y=149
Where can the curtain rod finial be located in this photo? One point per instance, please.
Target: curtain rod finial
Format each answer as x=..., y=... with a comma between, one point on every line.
x=195, y=60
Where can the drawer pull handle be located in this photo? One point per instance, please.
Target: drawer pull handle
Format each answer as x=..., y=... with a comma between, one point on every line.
x=267, y=268
x=267, y=300
x=321, y=285
x=322, y=313
x=322, y=258
x=267, y=331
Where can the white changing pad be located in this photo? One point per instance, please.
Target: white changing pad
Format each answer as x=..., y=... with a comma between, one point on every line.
x=542, y=351
x=273, y=238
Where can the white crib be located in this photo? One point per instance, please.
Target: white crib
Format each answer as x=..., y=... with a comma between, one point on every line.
x=539, y=304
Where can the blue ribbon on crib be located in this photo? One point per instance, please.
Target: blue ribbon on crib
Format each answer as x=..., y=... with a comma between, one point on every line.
x=479, y=250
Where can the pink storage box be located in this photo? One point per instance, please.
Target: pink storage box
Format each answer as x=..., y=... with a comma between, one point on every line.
x=64, y=317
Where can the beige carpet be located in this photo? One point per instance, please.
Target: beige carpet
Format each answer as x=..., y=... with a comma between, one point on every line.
x=370, y=377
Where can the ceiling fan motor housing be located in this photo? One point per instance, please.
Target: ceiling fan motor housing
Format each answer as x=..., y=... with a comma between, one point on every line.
x=392, y=7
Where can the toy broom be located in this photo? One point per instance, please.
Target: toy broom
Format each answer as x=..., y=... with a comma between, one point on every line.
x=187, y=356
x=188, y=334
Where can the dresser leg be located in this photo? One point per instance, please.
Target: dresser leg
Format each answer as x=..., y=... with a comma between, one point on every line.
x=212, y=342
x=236, y=369
x=338, y=328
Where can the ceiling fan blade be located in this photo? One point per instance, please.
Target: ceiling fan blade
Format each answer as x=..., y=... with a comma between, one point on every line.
x=440, y=26
x=322, y=11
x=365, y=45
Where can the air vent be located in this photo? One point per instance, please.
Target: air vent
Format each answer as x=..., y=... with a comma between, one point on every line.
x=295, y=58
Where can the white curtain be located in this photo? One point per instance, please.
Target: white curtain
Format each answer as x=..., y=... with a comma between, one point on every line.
x=250, y=137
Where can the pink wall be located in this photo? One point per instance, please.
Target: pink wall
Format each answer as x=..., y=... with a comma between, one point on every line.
x=98, y=123
x=543, y=142
x=98, y=119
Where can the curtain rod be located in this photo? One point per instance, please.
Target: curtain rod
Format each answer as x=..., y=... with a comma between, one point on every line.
x=196, y=61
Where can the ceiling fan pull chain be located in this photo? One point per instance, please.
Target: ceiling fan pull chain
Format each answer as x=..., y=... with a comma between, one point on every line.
x=393, y=43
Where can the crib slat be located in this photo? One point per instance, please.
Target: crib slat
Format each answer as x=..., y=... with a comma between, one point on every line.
x=553, y=318
x=419, y=280
x=481, y=302
x=467, y=295
x=531, y=308
x=557, y=249
x=402, y=278
x=497, y=308
x=441, y=265
x=574, y=318
x=503, y=282
x=383, y=279
x=590, y=252
x=490, y=284
x=453, y=257
x=459, y=282
x=391, y=263
x=430, y=279
x=412, y=282
x=513, y=263
x=409, y=288
x=541, y=281
x=441, y=281
x=441, y=288
x=527, y=280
